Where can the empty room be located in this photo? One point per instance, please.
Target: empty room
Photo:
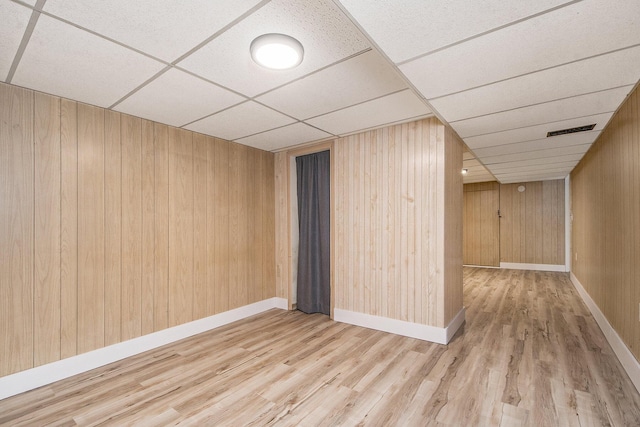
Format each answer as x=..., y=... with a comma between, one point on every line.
x=319, y=212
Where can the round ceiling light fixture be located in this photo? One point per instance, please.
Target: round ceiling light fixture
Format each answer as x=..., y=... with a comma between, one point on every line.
x=276, y=51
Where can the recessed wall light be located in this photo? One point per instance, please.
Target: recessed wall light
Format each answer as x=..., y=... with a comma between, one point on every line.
x=464, y=171
x=276, y=51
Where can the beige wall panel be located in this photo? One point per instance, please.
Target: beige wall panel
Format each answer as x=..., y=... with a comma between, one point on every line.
x=532, y=223
x=46, y=129
x=281, y=224
x=148, y=228
x=238, y=221
x=481, y=224
x=68, y=228
x=268, y=203
x=453, y=297
x=16, y=229
x=131, y=227
x=112, y=229
x=161, y=227
x=90, y=228
x=181, y=214
x=390, y=229
x=200, y=204
x=605, y=193
x=219, y=175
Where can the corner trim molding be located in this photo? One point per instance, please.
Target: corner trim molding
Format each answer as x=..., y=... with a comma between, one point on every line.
x=627, y=359
x=401, y=327
x=540, y=267
x=39, y=376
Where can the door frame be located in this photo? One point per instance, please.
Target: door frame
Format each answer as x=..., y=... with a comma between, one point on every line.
x=292, y=214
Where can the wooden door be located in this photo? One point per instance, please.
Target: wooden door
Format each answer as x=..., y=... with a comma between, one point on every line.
x=481, y=224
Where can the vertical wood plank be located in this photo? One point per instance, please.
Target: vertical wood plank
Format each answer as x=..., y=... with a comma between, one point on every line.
x=90, y=228
x=200, y=205
x=131, y=227
x=238, y=221
x=254, y=186
x=268, y=226
x=180, y=227
x=147, y=296
x=16, y=229
x=68, y=228
x=113, y=229
x=46, y=337
x=222, y=215
x=161, y=227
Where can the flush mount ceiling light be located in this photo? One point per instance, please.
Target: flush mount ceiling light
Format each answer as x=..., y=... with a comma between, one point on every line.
x=276, y=51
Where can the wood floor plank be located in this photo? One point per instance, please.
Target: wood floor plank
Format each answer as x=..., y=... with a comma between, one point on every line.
x=529, y=354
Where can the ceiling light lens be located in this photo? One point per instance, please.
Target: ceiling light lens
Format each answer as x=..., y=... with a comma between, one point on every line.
x=277, y=51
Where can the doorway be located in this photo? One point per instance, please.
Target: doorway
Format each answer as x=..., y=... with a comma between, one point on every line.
x=481, y=224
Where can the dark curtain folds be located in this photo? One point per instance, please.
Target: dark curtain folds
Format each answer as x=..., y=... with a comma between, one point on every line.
x=314, y=286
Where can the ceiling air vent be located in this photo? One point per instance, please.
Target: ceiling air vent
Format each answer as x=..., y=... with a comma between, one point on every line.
x=571, y=130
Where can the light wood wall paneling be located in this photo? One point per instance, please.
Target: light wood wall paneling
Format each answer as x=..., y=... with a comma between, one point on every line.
x=113, y=229
x=268, y=210
x=453, y=227
x=68, y=228
x=391, y=231
x=90, y=228
x=181, y=238
x=148, y=228
x=238, y=221
x=131, y=227
x=605, y=192
x=482, y=224
x=46, y=336
x=112, y=226
x=16, y=229
x=200, y=200
x=219, y=173
x=532, y=223
x=161, y=227
x=282, y=234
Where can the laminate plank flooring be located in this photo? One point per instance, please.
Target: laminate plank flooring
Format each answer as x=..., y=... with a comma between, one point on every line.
x=529, y=354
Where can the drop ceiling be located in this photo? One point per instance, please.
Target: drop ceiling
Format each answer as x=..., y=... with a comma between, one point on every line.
x=502, y=74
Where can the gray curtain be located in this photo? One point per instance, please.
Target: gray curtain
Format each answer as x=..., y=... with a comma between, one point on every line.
x=314, y=210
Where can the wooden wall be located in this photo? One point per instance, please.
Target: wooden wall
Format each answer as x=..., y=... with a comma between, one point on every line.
x=112, y=227
x=605, y=200
x=481, y=224
x=532, y=227
x=398, y=223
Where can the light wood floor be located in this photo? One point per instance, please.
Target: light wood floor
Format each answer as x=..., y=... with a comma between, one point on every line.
x=529, y=354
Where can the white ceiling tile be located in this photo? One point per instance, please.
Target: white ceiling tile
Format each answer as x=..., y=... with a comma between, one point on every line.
x=325, y=33
x=590, y=75
x=287, y=136
x=534, y=133
x=524, y=178
x=30, y=2
x=406, y=28
x=240, y=121
x=541, y=161
x=508, y=168
x=388, y=109
x=585, y=29
x=571, y=139
x=538, y=154
x=14, y=21
x=579, y=106
x=358, y=79
x=165, y=29
x=177, y=98
x=475, y=179
x=66, y=61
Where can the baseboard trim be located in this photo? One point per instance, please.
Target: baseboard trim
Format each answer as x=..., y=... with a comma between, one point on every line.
x=627, y=359
x=30, y=379
x=479, y=266
x=539, y=267
x=401, y=327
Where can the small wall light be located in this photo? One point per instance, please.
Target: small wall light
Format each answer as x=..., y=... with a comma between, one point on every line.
x=276, y=51
x=464, y=171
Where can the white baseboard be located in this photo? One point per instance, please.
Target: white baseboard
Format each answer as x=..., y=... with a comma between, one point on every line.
x=479, y=266
x=30, y=379
x=627, y=359
x=401, y=327
x=539, y=267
